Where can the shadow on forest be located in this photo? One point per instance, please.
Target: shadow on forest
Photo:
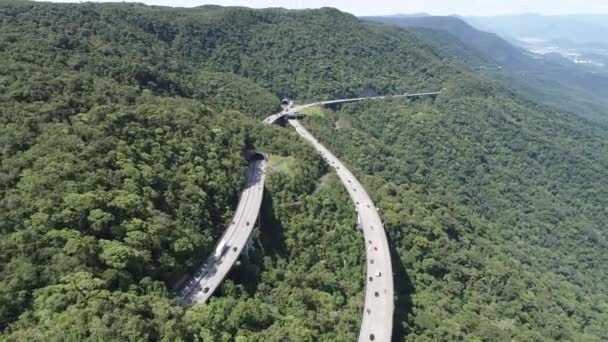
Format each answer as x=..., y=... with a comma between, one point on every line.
x=403, y=296
x=271, y=243
x=272, y=237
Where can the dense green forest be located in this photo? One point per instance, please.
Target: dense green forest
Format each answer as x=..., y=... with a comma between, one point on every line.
x=123, y=129
x=496, y=207
x=552, y=80
x=121, y=163
x=554, y=68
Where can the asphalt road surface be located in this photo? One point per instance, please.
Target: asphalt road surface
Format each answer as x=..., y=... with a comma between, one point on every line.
x=377, y=321
x=292, y=109
x=201, y=285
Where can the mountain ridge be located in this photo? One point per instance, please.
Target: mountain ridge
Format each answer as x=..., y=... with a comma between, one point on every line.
x=122, y=140
x=549, y=74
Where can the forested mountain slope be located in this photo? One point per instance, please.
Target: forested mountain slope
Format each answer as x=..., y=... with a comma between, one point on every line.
x=550, y=78
x=549, y=92
x=121, y=162
x=498, y=49
x=122, y=135
x=496, y=208
x=454, y=49
x=301, y=54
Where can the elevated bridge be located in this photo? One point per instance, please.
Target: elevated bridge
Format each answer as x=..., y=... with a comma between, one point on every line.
x=289, y=111
x=206, y=279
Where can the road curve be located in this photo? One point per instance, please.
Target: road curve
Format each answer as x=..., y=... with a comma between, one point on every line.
x=272, y=119
x=406, y=95
x=201, y=285
x=377, y=321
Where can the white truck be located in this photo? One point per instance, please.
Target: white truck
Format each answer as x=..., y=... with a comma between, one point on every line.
x=220, y=249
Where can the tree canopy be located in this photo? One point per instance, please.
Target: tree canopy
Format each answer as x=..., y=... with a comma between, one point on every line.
x=123, y=130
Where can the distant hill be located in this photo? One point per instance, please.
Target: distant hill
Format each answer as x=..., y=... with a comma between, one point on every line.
x=544, y=70
x=453, y=49
x=587, y=29
x=122, y=132
x=491, y=44
x=579, y=38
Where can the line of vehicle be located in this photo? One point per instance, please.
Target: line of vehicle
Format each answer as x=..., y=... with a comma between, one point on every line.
x=187, y=292
x=377, y=316
x=202, y=285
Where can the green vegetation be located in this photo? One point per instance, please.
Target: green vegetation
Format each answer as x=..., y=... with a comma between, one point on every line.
x=280, y=164
x=121, y=164
x=495, y=209
x=122, y=134
x=554, y=81
x=313, y=111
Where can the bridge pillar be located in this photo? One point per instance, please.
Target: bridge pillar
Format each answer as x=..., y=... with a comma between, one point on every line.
x=249, y=246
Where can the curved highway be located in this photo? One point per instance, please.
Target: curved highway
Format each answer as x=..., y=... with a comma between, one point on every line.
x=377, y=321
x=201, y=285
x=289, y=109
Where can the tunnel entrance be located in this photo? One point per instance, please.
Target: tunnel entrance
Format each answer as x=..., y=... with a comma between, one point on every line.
x=252, y=155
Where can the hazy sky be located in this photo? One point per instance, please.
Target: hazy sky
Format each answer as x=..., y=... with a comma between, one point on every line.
x=443, y=7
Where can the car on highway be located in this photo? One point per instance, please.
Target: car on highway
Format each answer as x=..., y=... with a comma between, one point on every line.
x=221, y=248
x=206, y=289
